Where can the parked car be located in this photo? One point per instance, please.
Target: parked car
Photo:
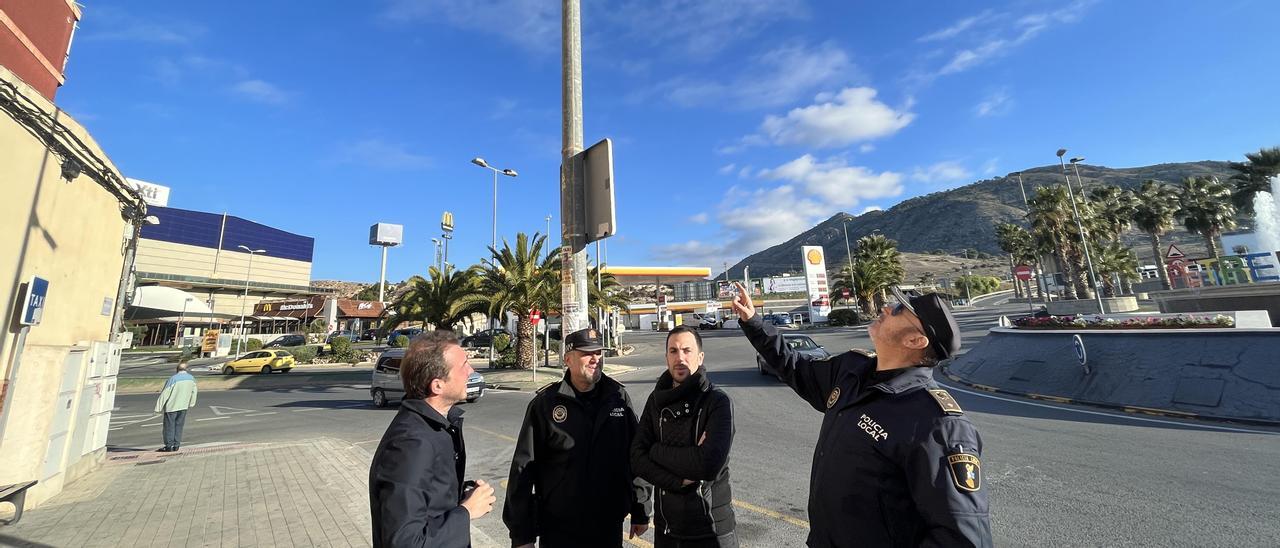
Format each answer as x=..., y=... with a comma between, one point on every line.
x=349, y=335
x=369, y=335
x=387, y=387
x=261, y=361
x=708, y=322
x=286, y=340
x=779, y=320
x=410, y=332
x=481, y=339
x=799, y=343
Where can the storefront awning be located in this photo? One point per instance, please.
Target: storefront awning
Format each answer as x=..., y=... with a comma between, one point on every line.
x=157, y=301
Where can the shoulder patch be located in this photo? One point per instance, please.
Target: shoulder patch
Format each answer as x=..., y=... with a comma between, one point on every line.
x=946, y=402
x=966, y=471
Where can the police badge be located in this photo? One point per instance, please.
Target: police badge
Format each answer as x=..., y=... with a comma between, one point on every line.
x=833, y=398
x=560, y=413
x=966, y=471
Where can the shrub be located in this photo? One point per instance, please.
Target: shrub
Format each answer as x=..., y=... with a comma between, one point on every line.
x=342, y=350
x=843, y=317
x=502, y=342
x=400, y=341
x=304, y=354
x=1099, y=322
x=254, y=344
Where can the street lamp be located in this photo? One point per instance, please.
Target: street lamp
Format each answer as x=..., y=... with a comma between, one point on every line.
x=848, y=253
x=1039, y=271
x=436, y=241
x=177, y=338
x=243, y=338
x=493, y=240
x=1080, y=226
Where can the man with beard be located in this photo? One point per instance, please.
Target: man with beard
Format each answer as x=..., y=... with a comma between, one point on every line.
x=571, y=482
x=897, y=462
x=686, y=431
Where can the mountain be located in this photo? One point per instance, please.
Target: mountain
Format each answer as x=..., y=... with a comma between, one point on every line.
x=964, y=218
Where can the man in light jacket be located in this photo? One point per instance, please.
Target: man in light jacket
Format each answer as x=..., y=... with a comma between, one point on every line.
x=178, y=396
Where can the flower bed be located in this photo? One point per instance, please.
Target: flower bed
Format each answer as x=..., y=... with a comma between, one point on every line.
x=1103, y=322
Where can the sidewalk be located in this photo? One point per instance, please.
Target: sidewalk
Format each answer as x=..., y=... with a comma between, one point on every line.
x=308, y=493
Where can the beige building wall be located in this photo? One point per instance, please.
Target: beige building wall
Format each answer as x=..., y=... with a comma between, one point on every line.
x=188, y=260
x=72, y=234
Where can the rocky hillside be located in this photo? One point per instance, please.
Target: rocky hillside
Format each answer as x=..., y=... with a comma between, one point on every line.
x=963, y=218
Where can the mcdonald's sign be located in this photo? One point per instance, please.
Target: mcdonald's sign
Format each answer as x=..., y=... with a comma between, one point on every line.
x=446, y=221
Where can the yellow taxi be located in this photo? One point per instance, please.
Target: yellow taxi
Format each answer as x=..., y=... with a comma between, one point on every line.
x=260, y=361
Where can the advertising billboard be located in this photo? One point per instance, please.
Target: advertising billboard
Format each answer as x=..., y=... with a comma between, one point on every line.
x=815, y=276
x=787, y=284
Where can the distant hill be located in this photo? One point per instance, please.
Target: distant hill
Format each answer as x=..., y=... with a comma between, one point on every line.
x=963, y=218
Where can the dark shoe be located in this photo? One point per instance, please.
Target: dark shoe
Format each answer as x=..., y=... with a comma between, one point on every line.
x=165, y=449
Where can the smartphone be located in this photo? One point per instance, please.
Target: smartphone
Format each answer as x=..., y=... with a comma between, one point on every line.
x=467, y=487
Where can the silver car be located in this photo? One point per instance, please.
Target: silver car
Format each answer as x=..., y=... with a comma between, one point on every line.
x=387, y=387
x=798, y=343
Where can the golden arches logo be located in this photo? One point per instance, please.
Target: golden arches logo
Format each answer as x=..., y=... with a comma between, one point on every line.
x=814, y=256
x=446, y=221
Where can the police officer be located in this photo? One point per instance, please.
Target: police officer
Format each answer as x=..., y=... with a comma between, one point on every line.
x=897, y=462
x=571, y=482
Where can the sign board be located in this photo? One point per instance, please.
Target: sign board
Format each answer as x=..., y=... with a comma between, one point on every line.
x=1022, y=272
x=33, y=301
x=534, y=317
x=1083, y=356
x=1174, y=253
x=815, y=276
x=595, y=171
x=152, y=194
x=844, y=293
x=788, y=284
x=712, y=307
x=210, y=341
x=446, y=221
x=386, y=234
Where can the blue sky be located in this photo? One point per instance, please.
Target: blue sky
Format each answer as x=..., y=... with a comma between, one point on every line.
x=737, y=123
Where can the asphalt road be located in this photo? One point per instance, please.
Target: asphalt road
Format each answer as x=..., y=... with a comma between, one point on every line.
x=1058, y=474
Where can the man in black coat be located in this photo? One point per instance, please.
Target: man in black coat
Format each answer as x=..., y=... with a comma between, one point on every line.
x=686, y=431
x=571, y=483
x=897, y=462
x=415, y=482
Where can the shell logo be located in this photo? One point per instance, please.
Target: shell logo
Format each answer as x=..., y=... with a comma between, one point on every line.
x=814, y=256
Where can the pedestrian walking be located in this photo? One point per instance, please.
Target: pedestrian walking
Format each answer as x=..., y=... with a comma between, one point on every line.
x=682, y=448
x=178, y=396
x=571, y=482
x=897, y=462
x=417, y=495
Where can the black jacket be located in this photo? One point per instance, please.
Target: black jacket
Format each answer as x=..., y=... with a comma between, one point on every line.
x=666, y=451
x=415, y=480
x=571, y=468
x=897, y=462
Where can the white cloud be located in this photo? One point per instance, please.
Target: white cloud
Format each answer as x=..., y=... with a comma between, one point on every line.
x=834, y=181
x=994, y=104
x=956, y=28
x=866, y=147
x=851, y=116
x=869, y=209
x=777, y=77
x=699, y=218
x=108, y=23
x=941, y=172
x=727, y=169
x=261, y=91
x=381, y=154
x=744, y=172
x=531, y=24
x=696, y=28
x=990, y=167
x=691, y=252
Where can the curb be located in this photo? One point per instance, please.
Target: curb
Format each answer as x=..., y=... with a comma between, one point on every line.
x=1133, y=409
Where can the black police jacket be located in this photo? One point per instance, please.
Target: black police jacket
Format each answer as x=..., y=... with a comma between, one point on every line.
x=415, y=480
x=571, y=468
x=896, y=464
x=666, y=452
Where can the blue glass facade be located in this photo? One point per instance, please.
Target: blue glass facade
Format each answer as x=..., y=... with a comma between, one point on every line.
x=181, y=226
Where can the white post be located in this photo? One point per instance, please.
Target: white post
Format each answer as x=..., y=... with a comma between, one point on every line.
x=382, y=277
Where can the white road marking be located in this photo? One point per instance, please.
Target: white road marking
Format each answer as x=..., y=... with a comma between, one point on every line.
x=152, y=424
x=220, y=410
x=308, y=409
x=212, y=418
x=1126, y=416
x=261, y=414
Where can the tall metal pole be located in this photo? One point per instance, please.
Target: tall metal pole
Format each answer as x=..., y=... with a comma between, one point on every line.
x=1084, y=241
x=382, y=276
x=1044, y=295
x=244, y=298
x=848, y=254
x=573, y=256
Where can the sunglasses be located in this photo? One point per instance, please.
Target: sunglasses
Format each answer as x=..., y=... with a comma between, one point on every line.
x=904, y=303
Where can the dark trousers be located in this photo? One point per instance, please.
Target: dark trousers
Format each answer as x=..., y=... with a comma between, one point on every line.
x=173, y=428
x=727, y=540
x=596, y=537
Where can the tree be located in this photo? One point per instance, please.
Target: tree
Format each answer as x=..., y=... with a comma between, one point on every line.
x=1018, y=243
x=877, y=264
x=608, y=296
x=514, y=280
x=1051, y=221
x=443, y=300
x=1204, y=205
x=1157, y=204
x=1254, y=176
x=1115, y=258
x=368, y=293
x=1113, y=208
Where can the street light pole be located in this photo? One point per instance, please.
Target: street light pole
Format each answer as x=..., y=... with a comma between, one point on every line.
x=573, y=253
x=1044, y=295
x=1084, y=241
x=493, y=240
x=244, y=339
x=848, y=254
x=177, y=337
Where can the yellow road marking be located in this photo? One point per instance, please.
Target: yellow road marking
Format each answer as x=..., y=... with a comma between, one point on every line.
x=494, y=434
x=771, y=513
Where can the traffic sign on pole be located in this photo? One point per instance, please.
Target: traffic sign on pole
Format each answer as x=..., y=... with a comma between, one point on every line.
x=1022, y=272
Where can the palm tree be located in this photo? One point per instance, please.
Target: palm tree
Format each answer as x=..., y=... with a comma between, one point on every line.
x=516, y=281
x=1018, y=243
x=443, y=300
x=1205, y=209
x=608, y=296
x=1154, y=214
x=1051, y=219
x=1115, y=258
x=877, y=264
x=1254, y=176
x=1113, y=208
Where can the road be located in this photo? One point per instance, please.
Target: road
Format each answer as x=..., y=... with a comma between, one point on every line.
x=1057, y=474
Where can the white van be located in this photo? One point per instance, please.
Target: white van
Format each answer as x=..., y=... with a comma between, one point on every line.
x=387, y=388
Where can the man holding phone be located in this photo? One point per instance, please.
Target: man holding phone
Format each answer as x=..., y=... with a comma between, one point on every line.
x=897, y=463
x=416, y=492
